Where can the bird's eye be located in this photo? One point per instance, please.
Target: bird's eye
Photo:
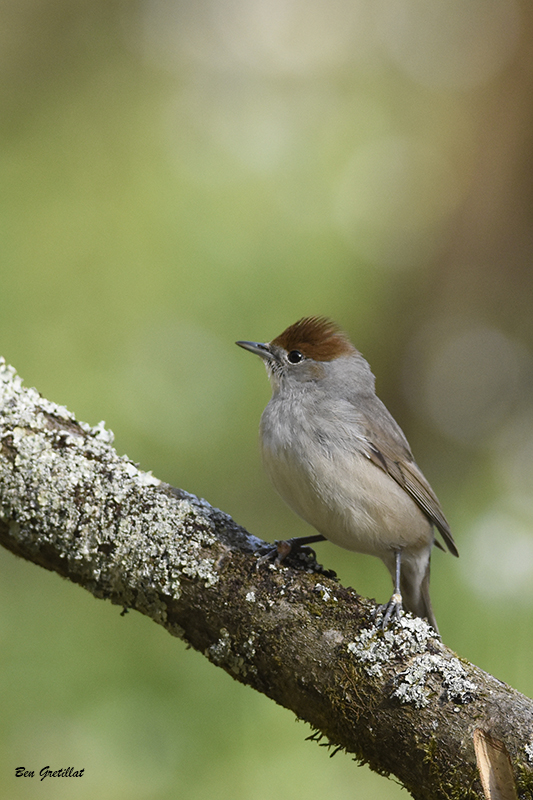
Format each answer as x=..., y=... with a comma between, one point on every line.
x=295, y=357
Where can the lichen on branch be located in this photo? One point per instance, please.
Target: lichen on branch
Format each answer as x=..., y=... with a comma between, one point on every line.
x=396, y=699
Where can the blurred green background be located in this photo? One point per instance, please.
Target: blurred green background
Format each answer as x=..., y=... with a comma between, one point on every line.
x=177, y=176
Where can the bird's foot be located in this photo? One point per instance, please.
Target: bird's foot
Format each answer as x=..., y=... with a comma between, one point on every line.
x=298, y=553
x=275, y=553
x=391, y=610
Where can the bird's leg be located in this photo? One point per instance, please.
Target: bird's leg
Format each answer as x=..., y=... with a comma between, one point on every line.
x=288, y=546
x=394, y=606
x=281, y=548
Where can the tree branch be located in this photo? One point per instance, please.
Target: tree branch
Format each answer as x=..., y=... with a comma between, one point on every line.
x=399, y=700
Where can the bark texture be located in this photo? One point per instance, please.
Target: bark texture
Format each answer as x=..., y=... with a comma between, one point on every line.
x=399, y=700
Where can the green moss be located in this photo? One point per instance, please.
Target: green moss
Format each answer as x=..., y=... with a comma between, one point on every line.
x=524, y=781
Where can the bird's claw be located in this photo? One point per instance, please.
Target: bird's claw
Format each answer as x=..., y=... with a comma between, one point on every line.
x=302, y=554
x=275, y=553
x=391, y=610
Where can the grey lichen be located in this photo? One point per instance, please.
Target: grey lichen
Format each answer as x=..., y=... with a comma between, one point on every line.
x=529, y=752
x=63, y=484
x=414, y=689
x=223, y=653
x=376, y=649
x=325, y=592
x=220, y=650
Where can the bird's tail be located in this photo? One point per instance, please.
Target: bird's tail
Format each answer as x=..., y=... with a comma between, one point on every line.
x=414, y=586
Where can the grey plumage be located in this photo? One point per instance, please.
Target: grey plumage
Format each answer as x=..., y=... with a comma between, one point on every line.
x=338, y=458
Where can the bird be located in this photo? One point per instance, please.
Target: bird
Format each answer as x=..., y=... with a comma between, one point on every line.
x=339, y=459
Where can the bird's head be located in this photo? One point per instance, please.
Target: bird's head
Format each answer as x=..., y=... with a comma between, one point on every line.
x=314, y=349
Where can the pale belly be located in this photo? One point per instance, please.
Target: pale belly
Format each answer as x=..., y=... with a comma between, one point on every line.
x=350, y=501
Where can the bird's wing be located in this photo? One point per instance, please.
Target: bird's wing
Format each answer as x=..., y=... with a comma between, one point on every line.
x=407, y=474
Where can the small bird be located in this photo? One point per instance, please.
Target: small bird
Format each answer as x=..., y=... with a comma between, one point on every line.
x=341, y=462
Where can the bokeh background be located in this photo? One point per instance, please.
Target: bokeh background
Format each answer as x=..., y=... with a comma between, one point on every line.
x=178, y=175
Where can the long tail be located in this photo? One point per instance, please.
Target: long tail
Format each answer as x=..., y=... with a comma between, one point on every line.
x=415, y=589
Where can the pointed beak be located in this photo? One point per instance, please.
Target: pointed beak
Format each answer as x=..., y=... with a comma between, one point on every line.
x=262, y=350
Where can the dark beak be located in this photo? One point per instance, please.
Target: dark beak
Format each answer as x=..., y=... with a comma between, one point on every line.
x=259, y=349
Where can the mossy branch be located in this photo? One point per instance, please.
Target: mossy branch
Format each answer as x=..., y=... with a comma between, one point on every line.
x=399, y=700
